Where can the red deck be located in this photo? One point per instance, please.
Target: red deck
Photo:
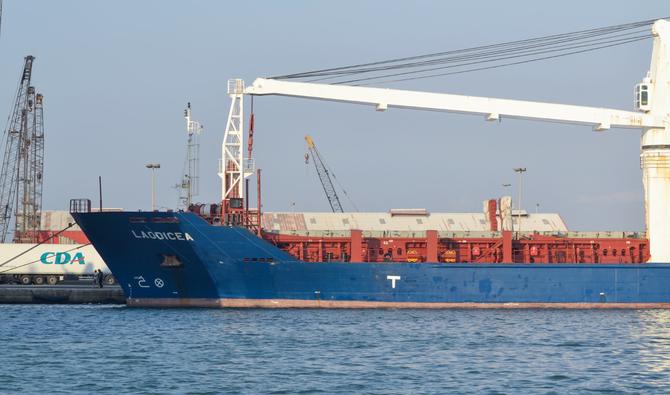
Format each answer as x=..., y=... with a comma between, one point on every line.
x=530, y=248
x=447, y=247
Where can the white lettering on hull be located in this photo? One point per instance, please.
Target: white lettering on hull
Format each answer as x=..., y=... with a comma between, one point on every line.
x=393, y=280
x=178, y=236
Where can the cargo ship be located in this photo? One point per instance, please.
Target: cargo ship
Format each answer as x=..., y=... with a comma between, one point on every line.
x=231, y=255
x=182, y=259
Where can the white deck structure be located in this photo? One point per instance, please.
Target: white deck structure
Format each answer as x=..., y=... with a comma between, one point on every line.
x=390, y=222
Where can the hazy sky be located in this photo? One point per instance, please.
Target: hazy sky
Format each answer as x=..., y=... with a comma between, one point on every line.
x=116, y=76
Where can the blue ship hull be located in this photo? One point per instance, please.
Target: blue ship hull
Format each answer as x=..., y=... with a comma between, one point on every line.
x=178, y=259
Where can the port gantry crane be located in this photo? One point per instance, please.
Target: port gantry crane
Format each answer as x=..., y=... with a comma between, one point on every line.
x=324, y=176
x=23, y=162
x=652, y=100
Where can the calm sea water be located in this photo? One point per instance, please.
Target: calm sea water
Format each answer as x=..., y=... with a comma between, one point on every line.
x=113, y=349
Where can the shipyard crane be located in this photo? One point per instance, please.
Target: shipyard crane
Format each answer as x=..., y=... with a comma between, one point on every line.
x=652, y=101
x=31, y=171
x=190, y=182
x=324, y=176
x=23, y=161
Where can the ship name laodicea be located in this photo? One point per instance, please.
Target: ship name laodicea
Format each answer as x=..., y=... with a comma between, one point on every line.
x=162, y=235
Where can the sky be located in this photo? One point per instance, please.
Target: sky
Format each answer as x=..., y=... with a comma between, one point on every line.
x=116, y=76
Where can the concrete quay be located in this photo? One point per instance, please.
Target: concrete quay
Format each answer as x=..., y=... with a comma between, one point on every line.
x=60, y=294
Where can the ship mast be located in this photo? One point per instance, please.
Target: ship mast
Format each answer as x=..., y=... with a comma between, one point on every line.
x=190, y=182
x=233, y=166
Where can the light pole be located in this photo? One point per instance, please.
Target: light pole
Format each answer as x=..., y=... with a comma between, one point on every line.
x=519, y=170
x=153, y=167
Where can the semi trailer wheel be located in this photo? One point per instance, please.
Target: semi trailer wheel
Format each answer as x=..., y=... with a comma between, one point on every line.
x=110, y=280
x=25, y=279
x=38, y=280
x=52, y=280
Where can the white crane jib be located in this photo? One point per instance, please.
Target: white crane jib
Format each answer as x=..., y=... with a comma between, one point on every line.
x=652, y=100
x=492, y=108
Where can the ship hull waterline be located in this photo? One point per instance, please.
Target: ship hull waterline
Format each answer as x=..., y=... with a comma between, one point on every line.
x=179, y=260
x=333, y=304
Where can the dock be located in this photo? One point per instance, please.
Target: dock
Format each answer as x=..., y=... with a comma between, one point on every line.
x=60, y=294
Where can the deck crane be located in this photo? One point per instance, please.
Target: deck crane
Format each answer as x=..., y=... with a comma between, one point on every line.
x=21, y=176
x=324, y=176
x=652, y=101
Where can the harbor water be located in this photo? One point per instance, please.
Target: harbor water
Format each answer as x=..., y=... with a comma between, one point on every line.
x=116, y=349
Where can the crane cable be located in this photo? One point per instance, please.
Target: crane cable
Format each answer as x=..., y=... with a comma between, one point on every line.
x=489, y=67
x=589, y=33
x=554, y=46
x=526, y=50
